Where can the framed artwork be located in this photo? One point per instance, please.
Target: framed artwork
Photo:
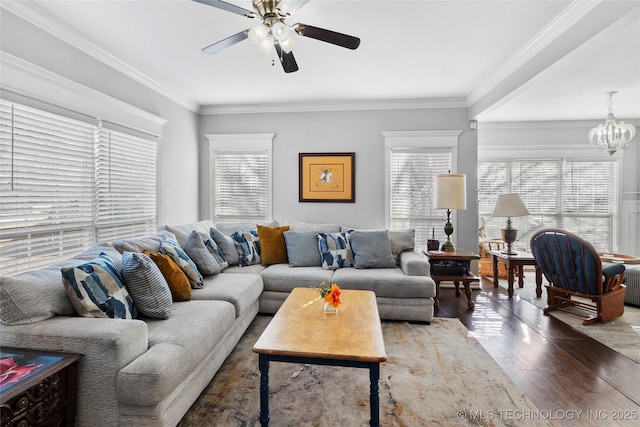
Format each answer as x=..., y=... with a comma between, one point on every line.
x=327, y=177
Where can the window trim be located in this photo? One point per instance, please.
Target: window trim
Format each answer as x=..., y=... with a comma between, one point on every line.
x=241, y=142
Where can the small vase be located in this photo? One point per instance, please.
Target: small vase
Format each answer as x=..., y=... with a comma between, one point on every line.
x=329, y=309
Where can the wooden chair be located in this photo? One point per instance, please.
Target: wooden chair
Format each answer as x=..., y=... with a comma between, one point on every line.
x=486, y=262
x=573, y=268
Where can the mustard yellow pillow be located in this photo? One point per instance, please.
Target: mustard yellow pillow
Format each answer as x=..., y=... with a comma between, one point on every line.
x=273, y=248
x=178, y=281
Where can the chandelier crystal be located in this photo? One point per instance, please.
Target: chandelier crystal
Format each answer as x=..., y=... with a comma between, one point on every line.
x=612, y=136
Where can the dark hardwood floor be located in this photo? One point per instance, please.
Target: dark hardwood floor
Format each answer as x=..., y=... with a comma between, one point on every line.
x=572, y=379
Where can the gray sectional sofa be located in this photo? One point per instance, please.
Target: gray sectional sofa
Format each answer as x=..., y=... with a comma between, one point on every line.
x=148, y=371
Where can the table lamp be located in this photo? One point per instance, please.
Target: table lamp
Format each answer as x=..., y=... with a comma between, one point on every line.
x=509, y=205
x=450, y=193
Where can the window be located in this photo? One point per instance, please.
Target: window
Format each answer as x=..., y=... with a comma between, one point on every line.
x=413, y=158
x=51, y=174
x=241, y=177
x=579, y=196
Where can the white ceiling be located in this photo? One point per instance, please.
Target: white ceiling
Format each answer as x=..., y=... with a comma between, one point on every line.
x=507, y=60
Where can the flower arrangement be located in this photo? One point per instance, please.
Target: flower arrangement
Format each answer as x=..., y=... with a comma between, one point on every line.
x=331, y=294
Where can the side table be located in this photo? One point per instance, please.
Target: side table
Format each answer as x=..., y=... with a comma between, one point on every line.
x=511, y=262
x=453, y=266
x=38, y=388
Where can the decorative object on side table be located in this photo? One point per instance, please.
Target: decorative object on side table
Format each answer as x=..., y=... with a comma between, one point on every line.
x=450, y=193
x=509, y=205
x=331, y=295
x=432, y=243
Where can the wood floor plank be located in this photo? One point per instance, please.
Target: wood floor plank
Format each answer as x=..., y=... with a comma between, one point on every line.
x=571, y=378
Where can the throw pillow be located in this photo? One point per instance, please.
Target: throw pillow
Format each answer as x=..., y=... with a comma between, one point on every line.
x=401, y=241
x=215, y=250
x=96, y=289
x=178, y=281
x=302, y=248
x=371, y=249
x=272, y=245
x=171, y=248
x=200, y=255
x=147, y=285
x=335, y=250
x=248, y=247
x=226, y=245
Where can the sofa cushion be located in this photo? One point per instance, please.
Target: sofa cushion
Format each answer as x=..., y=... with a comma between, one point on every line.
x=241, y=290
x=226, y=245
x=371, y=249
x=302, y=248
x=273, y=249
x=140, y=244
x=176, y=279
x=228, y=228
x=146, y=285
x=385, y=282
x=172, y=248
x=195, y=247
x=181, y=342
x=96, y=289
x=183, y=231
x=248, y=247
x=214, y=250
x=402, y=241
x=38, y=295
x=335, y=250
x=282, y=278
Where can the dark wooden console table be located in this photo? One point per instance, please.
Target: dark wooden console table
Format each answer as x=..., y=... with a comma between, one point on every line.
x=38, y=388
x=453, y=266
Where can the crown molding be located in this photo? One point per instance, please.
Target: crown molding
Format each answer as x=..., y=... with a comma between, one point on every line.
x=35, y=15
x=304, y=107
x=30, y=81
x=552, y=31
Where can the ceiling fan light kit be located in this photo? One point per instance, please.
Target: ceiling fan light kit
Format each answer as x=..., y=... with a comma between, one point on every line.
x=272, y=32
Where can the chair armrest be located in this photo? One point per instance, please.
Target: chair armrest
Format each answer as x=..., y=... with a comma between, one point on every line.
x=613, y=276
x=611, y=270
x=414, y=264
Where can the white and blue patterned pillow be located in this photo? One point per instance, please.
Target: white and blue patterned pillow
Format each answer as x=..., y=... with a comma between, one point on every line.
x=335, y=250
x=172, y=248
x=147, y=286
x=96, y=289
x=247, y=246
x=215, y=250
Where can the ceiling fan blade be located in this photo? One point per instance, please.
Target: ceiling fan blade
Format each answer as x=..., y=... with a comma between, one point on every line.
x=328, y=36
x=290, y=7
x=228, y=7
x=289, y=63
x=229, y=41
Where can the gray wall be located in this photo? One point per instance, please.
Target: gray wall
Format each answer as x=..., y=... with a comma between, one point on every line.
x=344, y=131
x=178, y=149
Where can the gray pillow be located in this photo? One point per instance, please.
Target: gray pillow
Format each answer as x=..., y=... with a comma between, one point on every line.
x=371, y=249
x=200, y=255
x=226, y=245
x=146, y=285
x=401, y=241
x=302, y=248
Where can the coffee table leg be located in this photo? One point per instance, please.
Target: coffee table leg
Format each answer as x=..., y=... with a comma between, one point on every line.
x=263, y=364
x=374, y=395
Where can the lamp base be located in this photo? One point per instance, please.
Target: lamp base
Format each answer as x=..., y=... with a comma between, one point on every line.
x=509, y=235
x=448, y=230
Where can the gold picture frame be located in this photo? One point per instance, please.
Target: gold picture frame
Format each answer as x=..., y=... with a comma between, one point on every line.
x=327, y=177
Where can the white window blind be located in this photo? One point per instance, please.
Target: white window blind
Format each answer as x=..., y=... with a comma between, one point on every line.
x=241, y=186
x=46, y=187
x=579, y=196
x=126, y=204
x=411, y=191
x=65, y=184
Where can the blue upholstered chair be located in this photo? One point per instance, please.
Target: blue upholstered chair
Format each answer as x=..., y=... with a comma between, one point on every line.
x=574, y=269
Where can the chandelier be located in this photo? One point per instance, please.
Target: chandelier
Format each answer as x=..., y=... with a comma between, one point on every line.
x=612, y=136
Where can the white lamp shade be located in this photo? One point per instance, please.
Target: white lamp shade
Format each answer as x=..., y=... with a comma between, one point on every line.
x=510, y=205
x=288, y=44
x=258, y=33
x=450, y=191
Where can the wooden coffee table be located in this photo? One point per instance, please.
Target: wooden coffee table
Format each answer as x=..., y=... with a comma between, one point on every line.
x=300, y=332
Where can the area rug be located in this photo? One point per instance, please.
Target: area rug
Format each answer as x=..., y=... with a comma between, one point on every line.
x=435, y=375
x=621, y=334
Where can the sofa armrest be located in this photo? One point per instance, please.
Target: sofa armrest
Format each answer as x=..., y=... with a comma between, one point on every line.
x=106, y=345
x=414, y=264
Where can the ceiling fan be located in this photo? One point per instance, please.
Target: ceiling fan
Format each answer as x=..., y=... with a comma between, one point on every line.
x=273, y=33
